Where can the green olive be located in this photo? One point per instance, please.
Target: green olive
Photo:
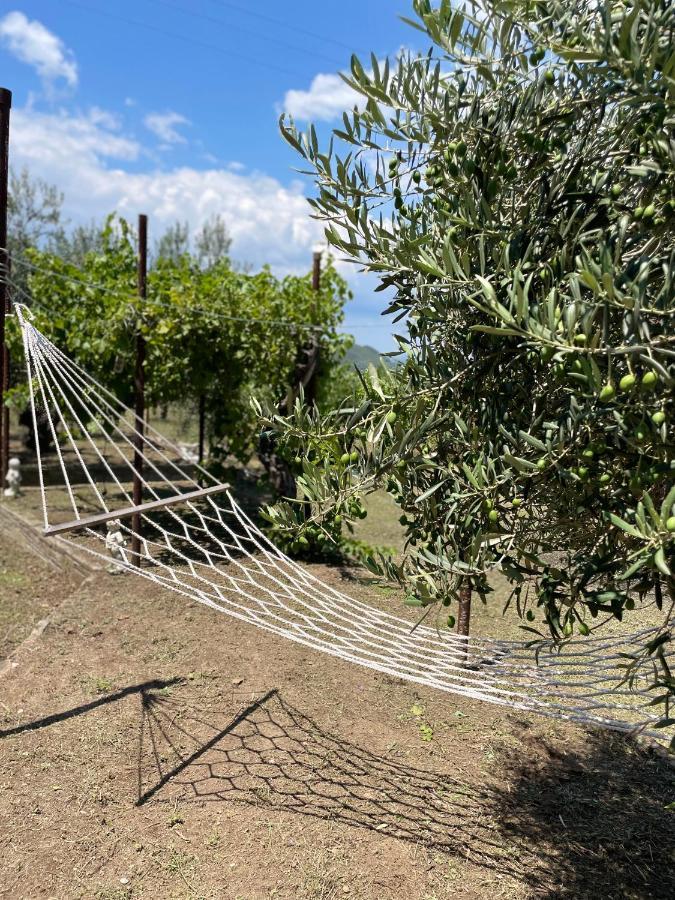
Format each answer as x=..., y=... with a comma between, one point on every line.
x=627, y=382
x=607, y=392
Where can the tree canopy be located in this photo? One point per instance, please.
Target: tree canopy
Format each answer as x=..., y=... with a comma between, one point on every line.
x=513, y=187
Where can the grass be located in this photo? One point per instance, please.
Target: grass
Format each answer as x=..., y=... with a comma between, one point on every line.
x=97, y=684
x=10, y=579
x=121, y=893
x=489, y=620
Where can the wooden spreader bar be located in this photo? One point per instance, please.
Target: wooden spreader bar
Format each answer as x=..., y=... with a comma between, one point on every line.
x=127, y=512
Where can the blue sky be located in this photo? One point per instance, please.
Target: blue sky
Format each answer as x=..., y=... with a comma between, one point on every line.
x=170, y=107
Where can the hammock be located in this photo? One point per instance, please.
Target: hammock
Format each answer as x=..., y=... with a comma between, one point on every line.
x=201, y=544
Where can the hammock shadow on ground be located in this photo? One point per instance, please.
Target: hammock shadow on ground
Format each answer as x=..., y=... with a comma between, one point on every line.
x=592, y=825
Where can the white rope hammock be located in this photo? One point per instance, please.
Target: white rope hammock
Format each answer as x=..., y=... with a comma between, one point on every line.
x=201, y=544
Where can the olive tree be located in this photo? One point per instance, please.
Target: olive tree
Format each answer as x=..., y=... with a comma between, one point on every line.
x=513, y=190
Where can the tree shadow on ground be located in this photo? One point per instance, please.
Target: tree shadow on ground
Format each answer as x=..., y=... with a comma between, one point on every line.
x=597, y=815
x=593, y=824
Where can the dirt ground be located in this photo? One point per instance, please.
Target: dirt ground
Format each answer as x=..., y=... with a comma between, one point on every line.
x=151, y=748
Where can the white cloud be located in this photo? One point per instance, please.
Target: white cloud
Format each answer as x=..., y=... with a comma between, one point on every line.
x=328, y=96
x=61, y=142
x=106, y=119
x=101, y=170
x=29, y=41
x=165, y=126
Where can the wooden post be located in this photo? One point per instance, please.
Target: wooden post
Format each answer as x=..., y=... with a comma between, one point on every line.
x=139, y=394
x=464, y=612
x=5, y=107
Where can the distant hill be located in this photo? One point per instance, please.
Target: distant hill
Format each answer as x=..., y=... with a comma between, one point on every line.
x=361, y=355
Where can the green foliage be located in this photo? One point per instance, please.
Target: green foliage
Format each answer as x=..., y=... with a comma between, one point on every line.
x=210, y=332
x=514, y=188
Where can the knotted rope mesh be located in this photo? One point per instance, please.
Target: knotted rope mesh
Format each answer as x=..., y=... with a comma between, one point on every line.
x=210, y=550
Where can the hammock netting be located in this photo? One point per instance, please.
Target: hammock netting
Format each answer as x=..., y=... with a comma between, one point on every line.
x=208, y=549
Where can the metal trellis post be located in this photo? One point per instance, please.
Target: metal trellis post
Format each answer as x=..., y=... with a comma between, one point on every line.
x=202, y=426
x=4, y=385
x=5, y=107
x=139, y=394
x=311, y=386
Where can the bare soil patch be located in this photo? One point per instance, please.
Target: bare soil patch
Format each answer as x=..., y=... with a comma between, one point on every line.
x=151, y=748
x=32, y=582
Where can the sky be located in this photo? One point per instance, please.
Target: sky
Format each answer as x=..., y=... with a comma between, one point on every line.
x=171, y=107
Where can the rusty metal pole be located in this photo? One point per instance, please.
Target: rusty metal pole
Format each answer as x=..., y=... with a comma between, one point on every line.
x=202, y=426
x=5, y=107
x=139, y=394
x=312, y=384
x=4, y=386
x=316, y=270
